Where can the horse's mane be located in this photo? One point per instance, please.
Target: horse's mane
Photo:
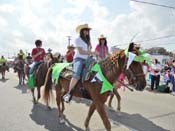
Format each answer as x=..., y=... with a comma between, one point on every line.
x=112, y=65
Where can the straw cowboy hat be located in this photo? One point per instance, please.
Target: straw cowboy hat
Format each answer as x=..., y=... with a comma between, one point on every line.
x=101, y=37
x=137, y=45
x=80, y=27
x=70, y=47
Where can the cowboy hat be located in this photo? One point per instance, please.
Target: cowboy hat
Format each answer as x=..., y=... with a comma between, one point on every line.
x=137, y=45
x=70, y=47
x=80, y=27
x=102, y=37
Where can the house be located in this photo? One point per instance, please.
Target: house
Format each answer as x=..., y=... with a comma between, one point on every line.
x=161, y=58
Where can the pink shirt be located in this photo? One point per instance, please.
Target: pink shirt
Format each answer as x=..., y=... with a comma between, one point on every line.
x=102, y=50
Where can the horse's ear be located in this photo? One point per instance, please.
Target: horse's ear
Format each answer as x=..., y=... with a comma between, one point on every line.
x=122, y=54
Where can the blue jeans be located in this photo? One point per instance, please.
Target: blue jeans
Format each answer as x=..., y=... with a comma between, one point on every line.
x=78, y=67
x=173, y=82
x=33, y=66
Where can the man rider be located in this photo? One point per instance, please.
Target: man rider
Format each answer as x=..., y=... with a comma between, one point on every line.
x=38, y=55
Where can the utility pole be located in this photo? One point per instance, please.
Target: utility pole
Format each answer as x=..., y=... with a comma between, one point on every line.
x=69, y=38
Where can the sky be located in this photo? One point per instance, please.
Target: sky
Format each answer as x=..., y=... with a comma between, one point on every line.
x=24, y=21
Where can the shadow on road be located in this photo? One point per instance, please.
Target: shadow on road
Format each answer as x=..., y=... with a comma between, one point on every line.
x=134, y=121
x=23, y=88
x=4, y=80
x=50, y=120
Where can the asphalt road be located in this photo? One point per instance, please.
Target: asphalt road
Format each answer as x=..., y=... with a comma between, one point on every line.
x=140, y=111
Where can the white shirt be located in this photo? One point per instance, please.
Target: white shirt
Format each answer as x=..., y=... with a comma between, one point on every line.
x=155, y=67
x=81, y=44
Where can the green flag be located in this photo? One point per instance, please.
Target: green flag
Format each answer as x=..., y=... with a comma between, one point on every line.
x=143, y=56
x=57, y=69
x=106, y=86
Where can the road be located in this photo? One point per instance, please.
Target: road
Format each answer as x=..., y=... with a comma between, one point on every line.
x=140, y=111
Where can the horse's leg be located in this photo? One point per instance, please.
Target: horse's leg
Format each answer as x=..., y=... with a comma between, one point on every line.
x=110, y=100
x=103, y=115
x=23, y=78
x=90, y=113
x=19, y=77
x=33, y=95
x=62, y=102
x=39, y=94
x=2, y=75
x=118, y=98
x=59, y=101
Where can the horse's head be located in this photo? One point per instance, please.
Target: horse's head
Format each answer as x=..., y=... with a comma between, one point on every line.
x=56, y=58
x=134, y=74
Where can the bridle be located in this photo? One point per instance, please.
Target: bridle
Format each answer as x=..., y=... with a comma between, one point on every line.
x=134, y=76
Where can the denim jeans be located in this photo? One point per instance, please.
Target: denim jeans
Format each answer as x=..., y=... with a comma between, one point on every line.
x=33, y=66
x=78, y=67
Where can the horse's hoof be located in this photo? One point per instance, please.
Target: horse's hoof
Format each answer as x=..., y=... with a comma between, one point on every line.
x=35, y=102
x=49, y=108
x=62, y=121
x=87, y=129
x=118, y=109
x=111, y=108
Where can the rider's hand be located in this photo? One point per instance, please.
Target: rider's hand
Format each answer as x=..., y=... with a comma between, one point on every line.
x=94, y=53
x=39, y=53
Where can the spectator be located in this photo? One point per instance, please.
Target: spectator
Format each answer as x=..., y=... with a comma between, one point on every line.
x=70, y=53
x=155, y=74
x=169, y=78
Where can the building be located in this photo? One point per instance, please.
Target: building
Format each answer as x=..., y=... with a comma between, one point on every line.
x=161, y=58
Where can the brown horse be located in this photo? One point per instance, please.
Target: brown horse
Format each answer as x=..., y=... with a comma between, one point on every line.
x=3, y=69
x=40, y=74
x=26, y=70
x=131, y=81
x=111, y=67
x=19, y=68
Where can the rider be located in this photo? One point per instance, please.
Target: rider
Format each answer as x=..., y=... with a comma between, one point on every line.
x=2, y=61
x=29, y=59
x=21, y=53
x=70, y=53
x=83, y=46
x=102, y=48
x=38, y=55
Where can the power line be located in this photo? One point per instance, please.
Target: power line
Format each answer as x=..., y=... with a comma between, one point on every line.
x=157, y=38
x=150, y=3
x=142, y=41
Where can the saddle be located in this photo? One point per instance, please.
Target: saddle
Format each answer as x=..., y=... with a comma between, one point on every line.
x=36, y=67
x=86, y=75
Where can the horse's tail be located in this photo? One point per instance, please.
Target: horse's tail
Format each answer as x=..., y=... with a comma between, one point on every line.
x=47, y=91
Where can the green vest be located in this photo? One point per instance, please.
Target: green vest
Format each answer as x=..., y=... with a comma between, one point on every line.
x=23, y=55
x=2, y=61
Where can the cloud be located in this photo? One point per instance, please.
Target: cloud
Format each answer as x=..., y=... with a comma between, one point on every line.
x=7, y=8
x=25, y=21
x=3, y=22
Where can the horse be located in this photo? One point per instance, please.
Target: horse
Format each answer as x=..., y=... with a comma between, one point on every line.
x=19, y=68
x=40, y=74
x=26, y=70
x=3, y=69
x=131, y=81
x=111, y=67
